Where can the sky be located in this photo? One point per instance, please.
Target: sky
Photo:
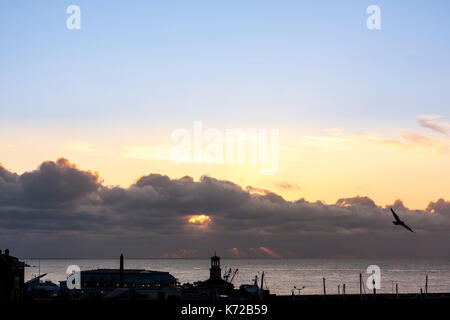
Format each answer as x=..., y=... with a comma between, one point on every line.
x=359, y=112
x=60, y=211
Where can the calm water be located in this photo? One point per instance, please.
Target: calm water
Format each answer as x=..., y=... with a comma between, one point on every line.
x=280, y=275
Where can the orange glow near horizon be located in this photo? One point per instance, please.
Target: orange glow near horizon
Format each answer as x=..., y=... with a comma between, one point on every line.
x=321, y=166
x=200, y=219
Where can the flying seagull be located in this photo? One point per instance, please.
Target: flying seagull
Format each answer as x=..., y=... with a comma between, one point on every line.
x=399, y=222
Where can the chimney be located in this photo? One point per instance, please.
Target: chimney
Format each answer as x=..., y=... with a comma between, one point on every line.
x=121, y=271
x=7, y=252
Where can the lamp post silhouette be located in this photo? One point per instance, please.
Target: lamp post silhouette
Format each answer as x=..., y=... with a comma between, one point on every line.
x=299, y=289
x=374, y=289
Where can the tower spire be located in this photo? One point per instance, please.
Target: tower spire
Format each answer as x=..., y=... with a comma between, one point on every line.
x=215, y=272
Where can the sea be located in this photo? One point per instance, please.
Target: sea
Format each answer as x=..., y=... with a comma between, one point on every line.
x=281, y=276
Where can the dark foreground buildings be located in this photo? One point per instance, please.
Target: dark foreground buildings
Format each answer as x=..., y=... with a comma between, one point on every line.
x=126, y=278
x=215, y=286
x=12, y=273
x=123, y=284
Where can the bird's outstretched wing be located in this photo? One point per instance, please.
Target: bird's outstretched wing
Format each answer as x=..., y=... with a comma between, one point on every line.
x=404, y=225
x=395, y=215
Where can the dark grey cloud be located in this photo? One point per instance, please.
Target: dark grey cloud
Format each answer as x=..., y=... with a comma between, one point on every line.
x=59, y=210
x=57, y=183
x=441, y=207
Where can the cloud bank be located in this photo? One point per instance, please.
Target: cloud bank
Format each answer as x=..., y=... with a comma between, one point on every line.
x=59, y=210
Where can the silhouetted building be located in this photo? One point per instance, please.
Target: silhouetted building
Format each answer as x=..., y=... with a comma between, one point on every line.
x=215, y=285
x=37, y=288
x=12, y=273
x=128, y=278
x=215, y=272
x=108, y=279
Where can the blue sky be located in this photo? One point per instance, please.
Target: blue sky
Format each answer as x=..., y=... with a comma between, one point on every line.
x=257, y=61
x=138, y=70
x=354, y=108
